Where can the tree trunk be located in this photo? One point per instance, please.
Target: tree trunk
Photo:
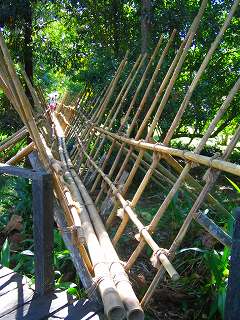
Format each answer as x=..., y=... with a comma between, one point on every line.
x=28, y=54
x=145, y=24
x=116, y=25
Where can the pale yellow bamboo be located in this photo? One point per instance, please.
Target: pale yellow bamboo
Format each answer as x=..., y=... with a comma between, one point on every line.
x=141, y=228
x=21, y=154
x=198, y=75
x=142, y=104
x=9, y=142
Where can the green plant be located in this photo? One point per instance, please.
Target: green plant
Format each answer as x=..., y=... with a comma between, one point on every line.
x=218, y=264
x=5, y=254
x=236, y=187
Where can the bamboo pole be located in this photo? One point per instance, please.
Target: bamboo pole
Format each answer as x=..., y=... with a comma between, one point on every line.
x=21, y=154
x=183, y=154
x=13, y=139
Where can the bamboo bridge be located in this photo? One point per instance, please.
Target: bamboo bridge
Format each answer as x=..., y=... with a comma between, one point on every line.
x=94, y=146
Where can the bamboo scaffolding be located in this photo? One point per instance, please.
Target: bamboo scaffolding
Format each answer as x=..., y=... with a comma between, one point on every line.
x=141, y=228
x=142, y=104
x=212, y=177
x=136, y=93
x=162, y=104
x=142, y=80
x=119, y=101
x=168, y=176
x=183, y=174
x=177, y=63
x=107, y=96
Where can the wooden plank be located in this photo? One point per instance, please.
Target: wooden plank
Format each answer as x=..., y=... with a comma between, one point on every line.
x=79, y=310
x=16, y=171
x=42, y=191
x=53, y=306
x=232, y=306
x=10, y=280
x=15, y=298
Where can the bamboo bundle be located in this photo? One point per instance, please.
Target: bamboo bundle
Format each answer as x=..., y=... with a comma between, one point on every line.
x=99, y=245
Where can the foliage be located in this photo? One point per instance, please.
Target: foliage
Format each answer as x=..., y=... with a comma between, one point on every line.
x=5, y=254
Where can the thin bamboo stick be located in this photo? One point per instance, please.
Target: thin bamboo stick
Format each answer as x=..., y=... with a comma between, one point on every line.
x=13, y=139
x=21, y=154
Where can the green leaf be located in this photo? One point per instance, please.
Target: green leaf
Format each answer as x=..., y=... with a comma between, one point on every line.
x=236, y=187
x=5, y=254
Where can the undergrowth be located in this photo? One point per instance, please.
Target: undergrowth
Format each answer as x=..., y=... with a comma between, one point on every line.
x=17, y=248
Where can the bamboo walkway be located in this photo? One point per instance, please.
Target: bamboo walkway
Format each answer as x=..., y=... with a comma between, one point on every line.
x=95, y=144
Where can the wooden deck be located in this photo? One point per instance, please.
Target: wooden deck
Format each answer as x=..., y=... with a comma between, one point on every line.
x=18, y=301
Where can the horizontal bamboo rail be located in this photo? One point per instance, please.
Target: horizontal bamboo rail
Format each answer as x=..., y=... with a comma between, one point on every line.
x=183, y=154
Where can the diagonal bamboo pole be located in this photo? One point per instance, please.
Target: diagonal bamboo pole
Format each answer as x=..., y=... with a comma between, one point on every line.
x=141, y=107
x=119, y=101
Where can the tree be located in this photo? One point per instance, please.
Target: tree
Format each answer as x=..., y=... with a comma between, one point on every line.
x=145, y=24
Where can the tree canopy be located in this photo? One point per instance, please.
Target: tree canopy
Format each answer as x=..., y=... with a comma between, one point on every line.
x=72, y=44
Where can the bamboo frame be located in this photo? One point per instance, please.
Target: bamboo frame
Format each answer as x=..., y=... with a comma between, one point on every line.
x=100, y=258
